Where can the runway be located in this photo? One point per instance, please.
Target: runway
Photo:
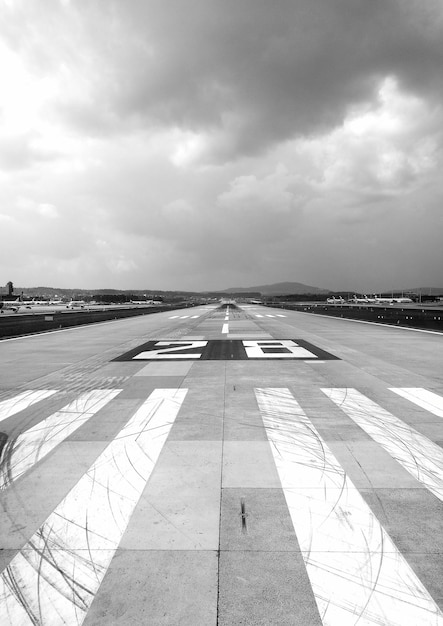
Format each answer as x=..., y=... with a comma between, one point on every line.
x=222, y=465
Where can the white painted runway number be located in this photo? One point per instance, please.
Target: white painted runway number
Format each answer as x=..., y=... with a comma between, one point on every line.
x=272, y=348
x=226, y=350
x=174, y=350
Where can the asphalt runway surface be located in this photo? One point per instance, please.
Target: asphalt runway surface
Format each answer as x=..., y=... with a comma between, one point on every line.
x=222, y=465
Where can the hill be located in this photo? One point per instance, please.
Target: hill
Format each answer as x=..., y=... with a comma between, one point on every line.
x=278, y=289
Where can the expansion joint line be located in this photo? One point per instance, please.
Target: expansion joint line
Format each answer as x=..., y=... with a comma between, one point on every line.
x=221, y=492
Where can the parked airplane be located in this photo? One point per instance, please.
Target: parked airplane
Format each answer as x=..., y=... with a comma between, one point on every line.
x=379, y=300
x=12, y=305
x=76, y=304
x=401, y=300
x=29, y=305
x=356, y=300
x=335, y=300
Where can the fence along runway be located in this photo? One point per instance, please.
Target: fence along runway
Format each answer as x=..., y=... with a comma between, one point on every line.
x=256, y=490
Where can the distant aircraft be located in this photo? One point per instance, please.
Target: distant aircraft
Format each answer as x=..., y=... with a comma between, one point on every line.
x=401, y=300
x=76, y=304
x=335, y=300
x=31, y=305
x=12, y=305
x=379, y=300
x=356, y=300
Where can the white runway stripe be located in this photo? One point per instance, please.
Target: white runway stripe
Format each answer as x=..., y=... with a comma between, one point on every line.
x=173, y=317
x=357, y=574
x=54, y=578
x=19, y=454
x=421, y=397
x=22, y=401
x=267, y=315
x=280, y=315
x=416, y=453
x=225, y=329
x=258, y=315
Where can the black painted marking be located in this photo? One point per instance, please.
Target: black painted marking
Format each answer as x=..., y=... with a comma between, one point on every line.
x=226, y=350
x=243, y=515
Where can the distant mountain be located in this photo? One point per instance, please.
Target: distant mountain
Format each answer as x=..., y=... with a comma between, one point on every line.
x=279, y=289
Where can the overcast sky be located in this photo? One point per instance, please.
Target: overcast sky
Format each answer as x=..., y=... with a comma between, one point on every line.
x=221, y=143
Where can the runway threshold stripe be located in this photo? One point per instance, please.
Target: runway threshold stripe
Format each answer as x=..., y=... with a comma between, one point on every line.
x=20, y=454
x=356, y=572
x=225, y=329
x=22, y=401
x=420, y=456
x=54, y=578
x=428, y=400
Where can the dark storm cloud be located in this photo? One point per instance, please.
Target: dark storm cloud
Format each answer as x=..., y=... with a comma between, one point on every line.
x=253, y=73
x=249, y=73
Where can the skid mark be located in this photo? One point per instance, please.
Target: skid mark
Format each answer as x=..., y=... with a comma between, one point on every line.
x=23, y=452
x=422, y=458
x=54, y=578
x=357, y=574
x=22, y=401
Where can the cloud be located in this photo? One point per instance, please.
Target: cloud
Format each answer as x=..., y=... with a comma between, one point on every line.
x=237, y=141
x=243, y=75
x=379, y=150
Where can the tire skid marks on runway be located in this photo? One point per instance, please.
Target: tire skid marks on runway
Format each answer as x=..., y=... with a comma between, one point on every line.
x=356, y=572
x=21, y=453
x=428, y=400
x=22, y=401
x=420, y=456
x=54, y=578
